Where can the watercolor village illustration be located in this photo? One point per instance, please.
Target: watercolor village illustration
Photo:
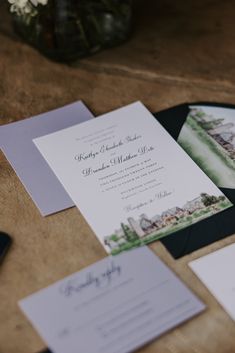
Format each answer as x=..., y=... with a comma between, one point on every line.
x=136, y=232
x=210, y=142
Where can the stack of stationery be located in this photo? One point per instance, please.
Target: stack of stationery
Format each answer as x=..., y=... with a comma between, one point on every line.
x=143, y=186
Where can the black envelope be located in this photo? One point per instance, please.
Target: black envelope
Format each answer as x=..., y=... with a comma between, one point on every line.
x=208, y=230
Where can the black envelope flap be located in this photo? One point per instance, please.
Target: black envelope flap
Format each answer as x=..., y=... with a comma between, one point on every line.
x=208, y=230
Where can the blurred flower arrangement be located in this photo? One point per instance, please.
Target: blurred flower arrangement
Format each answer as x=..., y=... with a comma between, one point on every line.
x=66, y=30
x=26, y=8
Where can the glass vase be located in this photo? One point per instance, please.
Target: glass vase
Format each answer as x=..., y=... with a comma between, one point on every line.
x=65, y=30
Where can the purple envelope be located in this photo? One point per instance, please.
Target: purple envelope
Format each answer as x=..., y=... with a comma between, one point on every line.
x=33, y=171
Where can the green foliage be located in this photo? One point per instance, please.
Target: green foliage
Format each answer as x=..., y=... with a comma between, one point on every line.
x=113, y=237
x=130, y=235
x=198, y=114
x=222, y=198
x=224, y=204
x=211, y=124
x=208, y=200
x=211, y=143
x=200, y=161
x=127, y=246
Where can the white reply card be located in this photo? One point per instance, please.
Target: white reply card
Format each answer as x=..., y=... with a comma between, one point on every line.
x=114, y=306
x=216, y=272
x=132, y=182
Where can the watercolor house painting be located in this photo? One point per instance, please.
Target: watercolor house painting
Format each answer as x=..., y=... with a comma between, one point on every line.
x=136, y=232
x=208, y=136
x=221, y=131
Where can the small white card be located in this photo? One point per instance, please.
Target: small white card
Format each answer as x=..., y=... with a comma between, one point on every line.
x=114, y=306
x=132, y=182
x=216, y=271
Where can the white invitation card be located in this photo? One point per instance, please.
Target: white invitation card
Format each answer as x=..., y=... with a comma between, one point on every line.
x=132, y=182
x=114, y=306
x=216, y=272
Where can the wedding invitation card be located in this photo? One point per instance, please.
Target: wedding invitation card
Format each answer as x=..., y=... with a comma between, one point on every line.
x=114, y=306
x=216, y=272
x=129, y=178
x=33, y=171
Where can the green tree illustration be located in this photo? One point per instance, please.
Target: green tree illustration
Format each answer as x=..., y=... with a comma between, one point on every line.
x=130, y=235
x=208, y=200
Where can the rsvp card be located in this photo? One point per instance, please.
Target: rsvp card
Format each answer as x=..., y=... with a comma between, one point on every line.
x=216, y=271
x=129, y=178
x=114, y=306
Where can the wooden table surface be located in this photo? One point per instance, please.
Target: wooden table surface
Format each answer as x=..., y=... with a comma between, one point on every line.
x=180, y=51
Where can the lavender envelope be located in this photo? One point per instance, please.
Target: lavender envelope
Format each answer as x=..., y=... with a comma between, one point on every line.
x=33, y=171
